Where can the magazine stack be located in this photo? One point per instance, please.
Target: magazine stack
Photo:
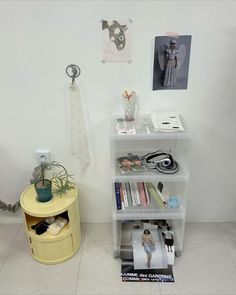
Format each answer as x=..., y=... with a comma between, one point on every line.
x=147, y=251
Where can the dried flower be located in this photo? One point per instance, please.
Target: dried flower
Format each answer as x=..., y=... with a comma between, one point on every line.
x=128, y=95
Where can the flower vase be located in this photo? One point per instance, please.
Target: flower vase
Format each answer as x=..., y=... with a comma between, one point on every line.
x=129, y=109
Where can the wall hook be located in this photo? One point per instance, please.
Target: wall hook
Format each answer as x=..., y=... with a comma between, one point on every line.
x=73, y=71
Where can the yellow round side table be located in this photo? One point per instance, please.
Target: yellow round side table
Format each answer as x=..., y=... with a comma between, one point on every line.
x=47, y=248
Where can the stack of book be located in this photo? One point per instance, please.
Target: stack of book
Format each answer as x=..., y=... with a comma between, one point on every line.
x=133, y=194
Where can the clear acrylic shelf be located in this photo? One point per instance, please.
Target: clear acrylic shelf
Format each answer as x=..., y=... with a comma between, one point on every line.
x=181, y=175
x=151, y=211
x=142, y=127
x=136, y=213
x=140, y=137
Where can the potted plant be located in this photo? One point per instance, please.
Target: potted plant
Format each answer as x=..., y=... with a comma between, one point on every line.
x=58, y=183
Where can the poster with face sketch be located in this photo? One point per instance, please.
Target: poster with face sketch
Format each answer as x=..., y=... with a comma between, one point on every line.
x=116, y=40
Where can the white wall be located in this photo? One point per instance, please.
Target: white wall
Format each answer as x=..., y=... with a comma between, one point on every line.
x=40, y=38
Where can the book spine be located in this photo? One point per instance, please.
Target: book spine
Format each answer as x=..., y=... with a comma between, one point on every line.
x=128, y=192
x=137, y=197
x=133, y=195
x=125, y=195
x=154, y=194
x=161, y=196
x=146, y=193
x=165, y=194
x=117, y=193
x=142, y=194
x=121, y=197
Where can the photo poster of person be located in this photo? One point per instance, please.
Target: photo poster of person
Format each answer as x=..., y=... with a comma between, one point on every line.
x=171, y=62
x=144, y=255
x=165, y=239
x=116, y=40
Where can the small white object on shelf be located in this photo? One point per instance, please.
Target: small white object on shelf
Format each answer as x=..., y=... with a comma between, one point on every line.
x=167, y=122
x=50, y=220
x=124, y=127
x=57, y=225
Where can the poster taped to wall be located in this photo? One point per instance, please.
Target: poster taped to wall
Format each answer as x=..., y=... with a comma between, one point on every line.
x=116, y=40
x=171, y=62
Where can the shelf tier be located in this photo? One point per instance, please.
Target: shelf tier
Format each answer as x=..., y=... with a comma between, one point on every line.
x=145, y=213
x=181, y=176
x=151, y=134
x=155, y=136
x=46, y=236
x=148, y=176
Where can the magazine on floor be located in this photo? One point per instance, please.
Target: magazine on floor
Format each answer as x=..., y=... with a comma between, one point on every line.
x=129, y=274
x=147, y=251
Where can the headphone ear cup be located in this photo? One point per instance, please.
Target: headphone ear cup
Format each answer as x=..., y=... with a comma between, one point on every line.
x=173, y=168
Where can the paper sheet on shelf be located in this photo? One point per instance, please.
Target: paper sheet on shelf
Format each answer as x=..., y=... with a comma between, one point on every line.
x=168, y=122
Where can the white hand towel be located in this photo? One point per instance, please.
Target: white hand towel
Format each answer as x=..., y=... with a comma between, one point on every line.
x=79, y=142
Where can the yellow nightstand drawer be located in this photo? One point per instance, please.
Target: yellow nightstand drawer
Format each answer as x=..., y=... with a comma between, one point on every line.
x=53, y=252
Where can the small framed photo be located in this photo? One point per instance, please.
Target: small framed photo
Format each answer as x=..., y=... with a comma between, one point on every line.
x=130, y=164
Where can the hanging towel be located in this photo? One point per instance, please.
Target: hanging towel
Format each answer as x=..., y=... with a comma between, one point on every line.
x=79, y=142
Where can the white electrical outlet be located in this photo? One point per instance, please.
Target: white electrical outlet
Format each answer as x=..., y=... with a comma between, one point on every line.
x=43, y=156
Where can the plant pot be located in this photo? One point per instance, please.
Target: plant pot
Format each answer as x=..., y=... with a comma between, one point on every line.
x=44, y=191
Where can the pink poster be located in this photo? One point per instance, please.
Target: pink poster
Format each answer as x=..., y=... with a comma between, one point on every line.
x=116, y=40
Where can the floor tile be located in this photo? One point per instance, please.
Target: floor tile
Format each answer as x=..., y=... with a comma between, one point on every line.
x=21, y=235
x=207, y=265
x=21, y=274
x=202, y=231
x=100, y=273
x=205, y=268
x=98, y=232
x=228, y=230
x=8, y=232
x=5, y=248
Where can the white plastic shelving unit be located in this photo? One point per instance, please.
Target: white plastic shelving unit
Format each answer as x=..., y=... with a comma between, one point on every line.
x=146, y=140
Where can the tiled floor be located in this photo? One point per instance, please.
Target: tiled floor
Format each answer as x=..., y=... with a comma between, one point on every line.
x=207, y=265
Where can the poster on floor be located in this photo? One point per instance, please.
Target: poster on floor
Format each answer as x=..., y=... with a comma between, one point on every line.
x=147, y=251
x=116, y=40
x=130, y=274
x=171, y=62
